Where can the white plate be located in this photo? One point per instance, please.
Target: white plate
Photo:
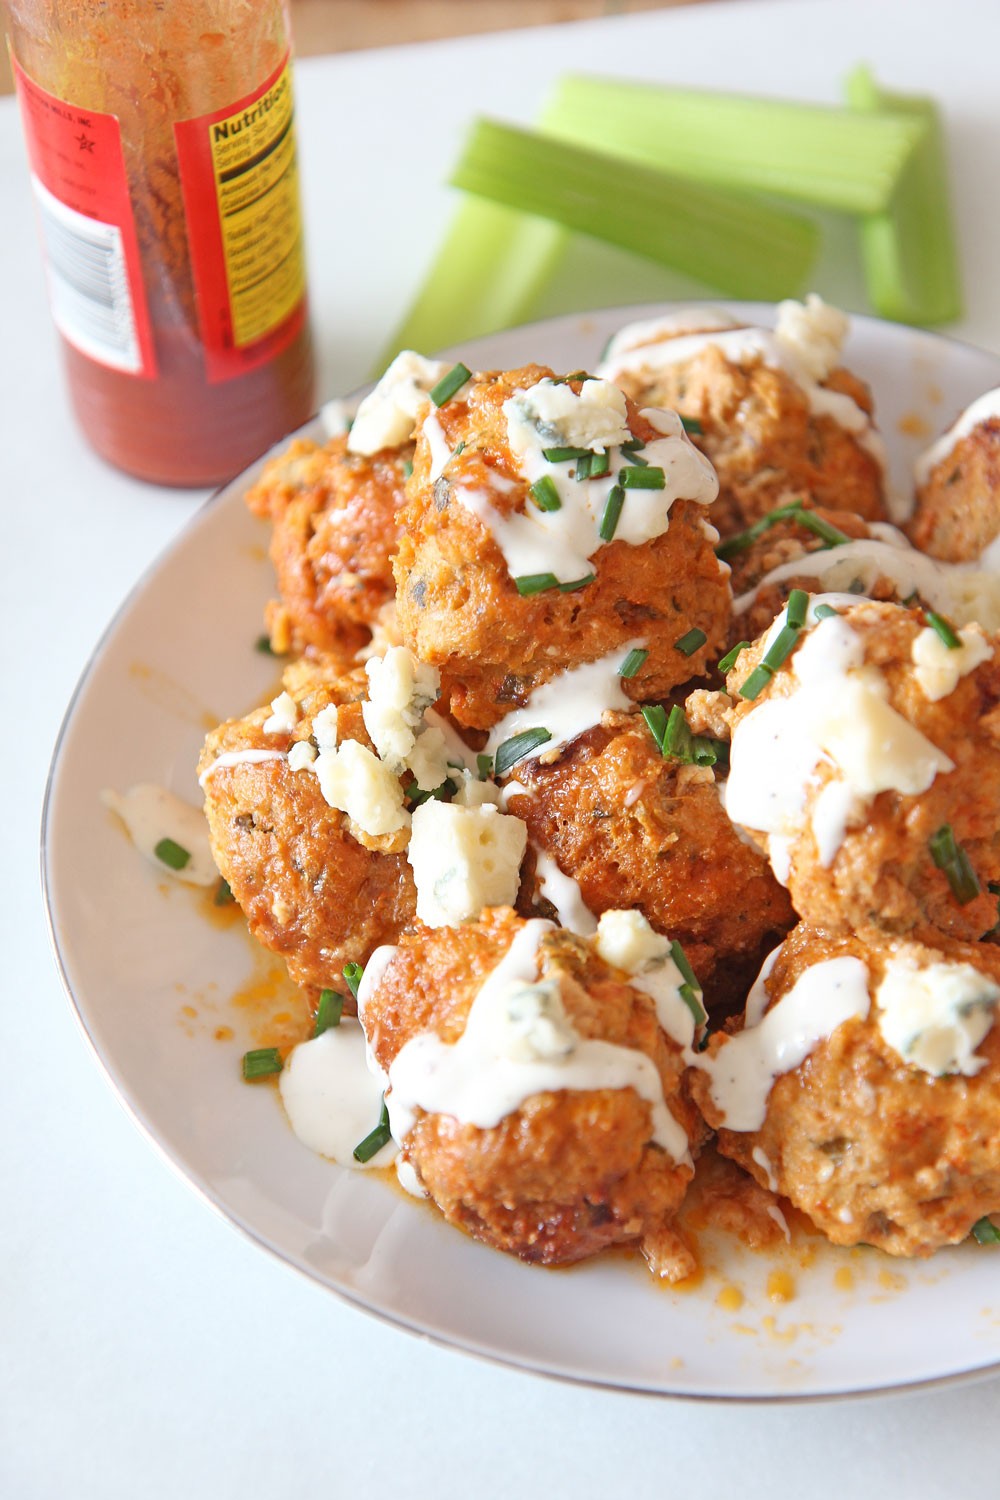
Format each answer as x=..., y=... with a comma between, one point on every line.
x=151, y=979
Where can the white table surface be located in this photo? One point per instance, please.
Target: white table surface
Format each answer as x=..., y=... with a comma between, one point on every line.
x=147, y=1349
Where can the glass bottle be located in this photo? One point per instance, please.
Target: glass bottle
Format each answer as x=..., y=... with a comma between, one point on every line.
x=161, y=140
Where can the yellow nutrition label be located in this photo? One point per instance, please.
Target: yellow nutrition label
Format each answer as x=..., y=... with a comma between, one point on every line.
x=256, y=184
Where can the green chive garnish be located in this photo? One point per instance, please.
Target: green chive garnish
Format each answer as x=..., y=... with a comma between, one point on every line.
x=407, y=467
x=352, y=974
x=756, y=682
x=678, y=743
x=261, y=1063
x=263, y=645
x=986, y=1232
x=450, y=383
x=223, y=893
x=691, y=642
x=545, y=494
x=949, y=856
x=637, y=458
x=646, y=477
x=656, y=722
x=690, y=990
x=944, y=629
x=583, y=466
x=329, y=1011
x=808, y=519
x=599, y=465
x=416, y=796
x=376, y=1139
x=692, y=426
x=517, y=747
x=172, y=854
x=535, y=583
x=726, y=663
x=564, y=455
x=826, y=612
x=796, y=607
x=632, y=662
x=577, y=583
x=612, y=513
x=484, y=765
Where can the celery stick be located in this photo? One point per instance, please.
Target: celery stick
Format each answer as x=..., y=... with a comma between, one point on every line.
x=909, y=250
x=824, y=156
x=728, y=241
x=487, y=275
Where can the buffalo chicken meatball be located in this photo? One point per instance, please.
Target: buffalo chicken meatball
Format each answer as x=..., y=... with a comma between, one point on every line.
x=532, y=1090
x=514, y=566
x=635, y=829
x=865, y=1086
x=957, y=513
x=777, y=416
x=316, y=886
x=868, y=762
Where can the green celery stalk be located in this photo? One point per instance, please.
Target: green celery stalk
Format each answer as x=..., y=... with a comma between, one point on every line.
x=487, y=275
x=729, y=241
x=909, y=250
x=820, y=155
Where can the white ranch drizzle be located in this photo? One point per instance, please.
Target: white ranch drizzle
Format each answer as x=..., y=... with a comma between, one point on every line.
x=331, y=1095
x=150, y=814
x=239, y=758
x=561, y=542
x=743, y=1071
x=964, y=593
x=838, y=716
x=570, y=703
x=563, y=892
x=518, y=1042
x=984, y=409
x=668, y=325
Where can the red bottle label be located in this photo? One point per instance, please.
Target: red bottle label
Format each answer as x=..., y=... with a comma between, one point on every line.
x=239, y=178
x=88, y=229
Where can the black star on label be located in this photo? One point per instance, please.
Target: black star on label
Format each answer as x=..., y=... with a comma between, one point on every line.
x=85, y=142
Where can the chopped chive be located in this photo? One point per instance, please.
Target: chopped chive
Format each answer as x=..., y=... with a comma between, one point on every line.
x=949, y=856
x=796, y=607
x=612, y=513
x=599, y=465
x=450, y=383
x=632, y=662
x=756, y=682
x=691, y=642
x=407, y=467
x=781, y=647
x=583, y=467
x=172, y=854
x=637, y=459
x=944, y=629
x=691, y=426
x=726, y=663
x=985, y=1232
x=535, y=583
x=353, y=974
x=564, y=455
x=632, y=445
x=375, y=1139
x=517, y=747
x=223, y=893
x=576, y=583
x=656, y=722
x=261, y=1063
x=545, y=494
x=794, y=511
x=263, y=645
x=690, y=990
x=645, y=478
x=678, y=743
x=484, y=765
x=826, y=612
x=328, y=1011
x=416, y=796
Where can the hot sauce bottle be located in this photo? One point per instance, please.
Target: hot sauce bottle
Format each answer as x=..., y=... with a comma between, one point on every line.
x=161, y=143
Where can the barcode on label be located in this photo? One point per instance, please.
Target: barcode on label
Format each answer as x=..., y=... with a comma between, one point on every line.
x=88, y=283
